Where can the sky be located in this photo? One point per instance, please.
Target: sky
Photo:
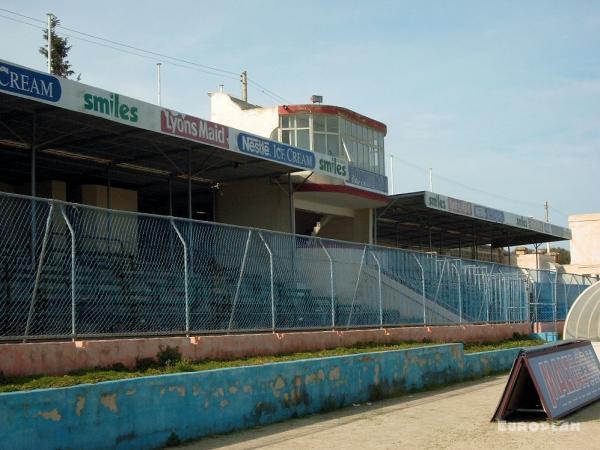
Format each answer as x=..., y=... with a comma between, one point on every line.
x=501, y=99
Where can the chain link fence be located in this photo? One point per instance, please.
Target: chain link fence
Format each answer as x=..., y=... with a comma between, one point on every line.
x=70, y=270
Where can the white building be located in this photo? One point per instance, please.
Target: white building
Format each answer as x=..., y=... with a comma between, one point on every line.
x=322, y=205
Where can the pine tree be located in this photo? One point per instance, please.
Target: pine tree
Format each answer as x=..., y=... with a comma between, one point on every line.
x=60, y=50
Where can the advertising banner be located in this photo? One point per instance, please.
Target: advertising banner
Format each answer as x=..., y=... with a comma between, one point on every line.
x=74, y=96
x=194, y=128
x=464, y=208
x=276, y=151
x=553, y=379
x=367, y=180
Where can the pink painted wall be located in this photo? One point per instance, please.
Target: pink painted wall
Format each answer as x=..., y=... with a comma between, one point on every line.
x=543, y=327
x=57, y=358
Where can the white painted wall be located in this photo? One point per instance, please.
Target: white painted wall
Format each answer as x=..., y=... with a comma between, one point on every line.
x=232, y=112
x=585, y=244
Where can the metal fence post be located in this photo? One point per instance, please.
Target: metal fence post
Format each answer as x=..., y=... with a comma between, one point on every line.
x=555, y=301
x=38, y=274
x=185, y=276
x=423, y=288
x=272, y=283
x=331, y=284
x=362, y=260
x=70, y=227
x=239, y=282
x=460, y=312
x=379, y=288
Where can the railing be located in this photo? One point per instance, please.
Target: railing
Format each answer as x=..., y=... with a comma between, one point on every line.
x=70, y=270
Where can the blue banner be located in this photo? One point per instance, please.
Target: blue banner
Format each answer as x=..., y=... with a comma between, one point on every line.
x=263, y=148
x=27, y=82
x=365, y=179
x=483, y=212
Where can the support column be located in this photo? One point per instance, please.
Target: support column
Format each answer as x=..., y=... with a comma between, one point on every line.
x=33, y=189
x=189, y=182
x=291, y=201
x=374, y=226
x=108, y=186
x=170, y=197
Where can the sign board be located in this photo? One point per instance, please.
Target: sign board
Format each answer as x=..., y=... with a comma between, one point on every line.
x=464, y=208
x=553, y=380
x=364, y=179
x=75, y=96
x=194, y=128
x=275, y=151
x=29, y=83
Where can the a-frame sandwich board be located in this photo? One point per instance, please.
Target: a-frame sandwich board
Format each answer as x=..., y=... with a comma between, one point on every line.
x=551, y=381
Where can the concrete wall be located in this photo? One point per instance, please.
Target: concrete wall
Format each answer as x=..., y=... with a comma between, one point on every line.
x=585, y=244
x=120, y=199
x=354, y=229
x=146, y=412
x=57, y=358
x=257, y=203
x=244, y=116
x=540, y=261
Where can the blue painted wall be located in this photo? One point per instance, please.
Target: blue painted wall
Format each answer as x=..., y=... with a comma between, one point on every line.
x=142, y=413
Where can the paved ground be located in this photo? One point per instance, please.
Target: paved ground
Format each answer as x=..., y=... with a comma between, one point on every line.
x=457, y=417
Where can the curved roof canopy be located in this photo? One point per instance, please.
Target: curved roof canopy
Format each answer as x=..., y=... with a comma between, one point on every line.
x=583, y=320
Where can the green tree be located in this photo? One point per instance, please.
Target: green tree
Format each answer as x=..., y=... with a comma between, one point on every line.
x=564, y=255
x=60, y=51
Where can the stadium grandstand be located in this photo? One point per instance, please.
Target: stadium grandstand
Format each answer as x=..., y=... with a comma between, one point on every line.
x=125, y=218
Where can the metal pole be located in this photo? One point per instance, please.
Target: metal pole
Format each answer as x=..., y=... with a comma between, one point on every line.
x=331, y=284
x=554, y=299
x=158, y=83
x=70, y=227
x=108, y=206
x=459, y=295
x=49, y=16
x=379, y=286
x=291, y=201
x=189, y=181
x=423, y=288
x=108, y=187
x=547, y=217
x=272, y=282
x=362, y=260
x=185, y=277
x=239, y=282
x=170, y=197
x=38, y=272
x=391, y=174
x=430, y=180
x=244, y=79
x=33, y=190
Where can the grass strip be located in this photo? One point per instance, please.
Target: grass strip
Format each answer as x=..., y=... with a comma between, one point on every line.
x=119, y=372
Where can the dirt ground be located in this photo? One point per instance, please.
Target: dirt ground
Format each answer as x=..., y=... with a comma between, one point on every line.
x=457, y=417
